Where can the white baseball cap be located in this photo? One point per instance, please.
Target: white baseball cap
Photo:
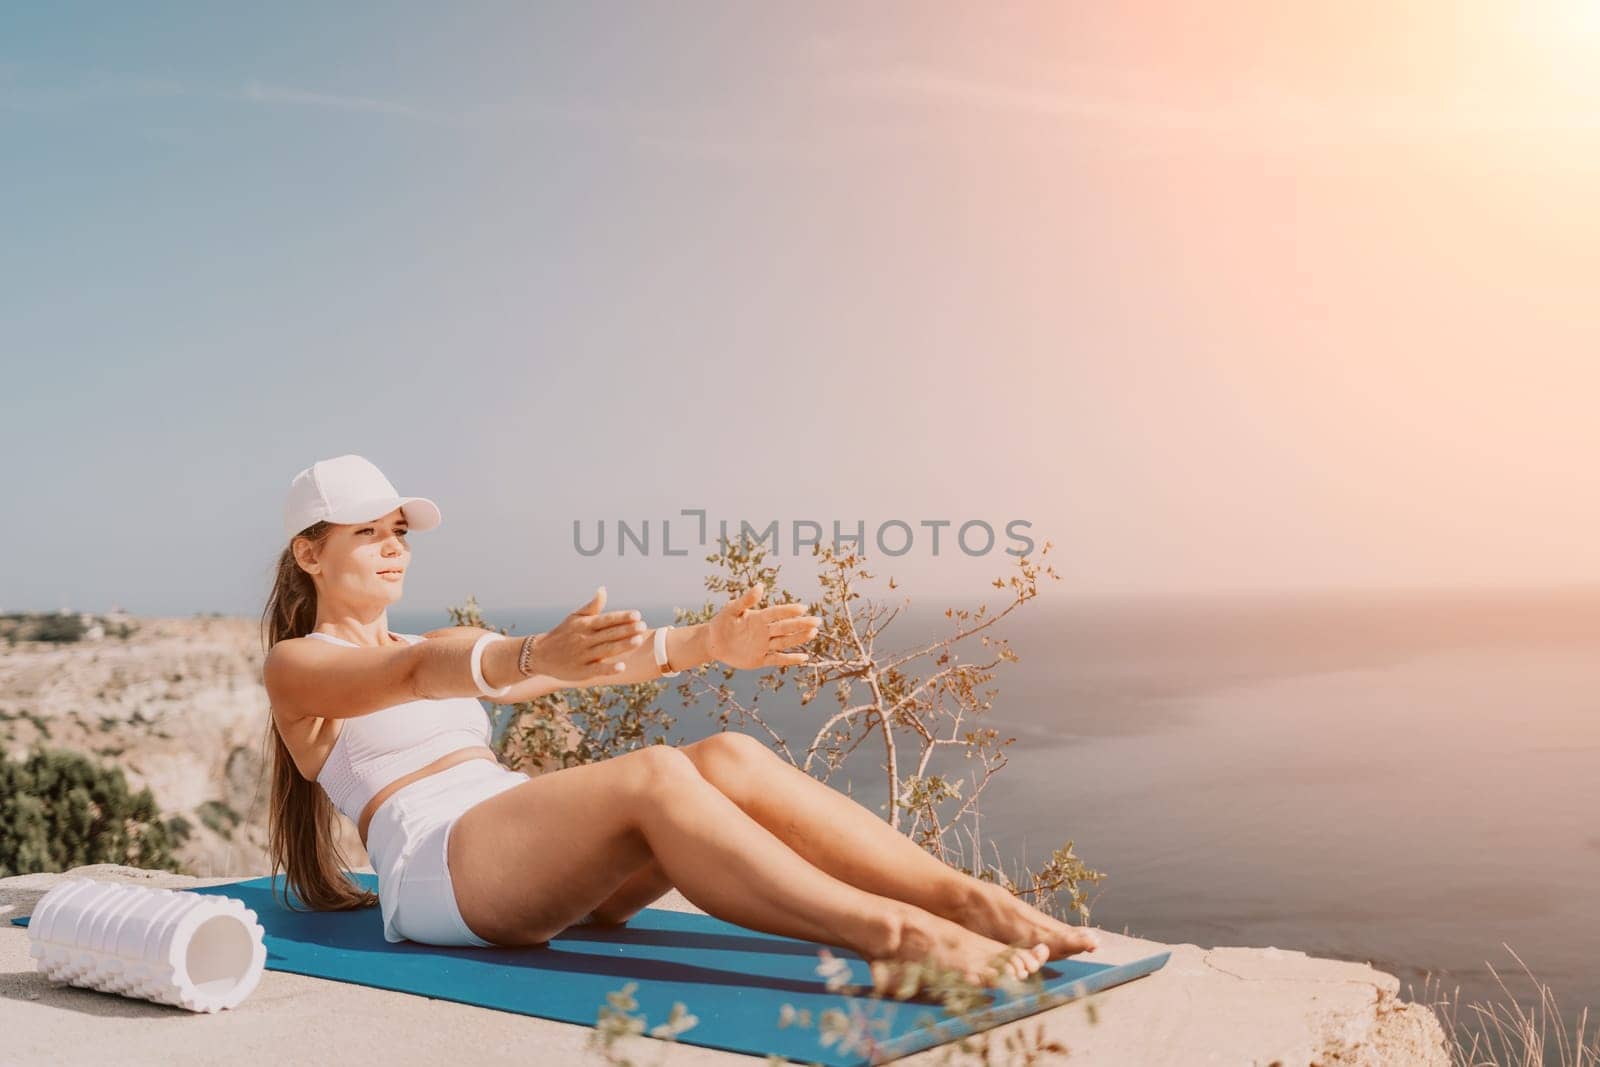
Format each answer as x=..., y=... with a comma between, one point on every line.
x=349, y=489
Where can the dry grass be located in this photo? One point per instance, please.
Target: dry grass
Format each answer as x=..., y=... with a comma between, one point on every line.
x=1505, y=1033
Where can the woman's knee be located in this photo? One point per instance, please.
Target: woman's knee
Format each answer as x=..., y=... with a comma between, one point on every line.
x=722, y=756
x=657, y=767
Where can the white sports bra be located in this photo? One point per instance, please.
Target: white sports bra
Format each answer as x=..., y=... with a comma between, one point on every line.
x=373, y=750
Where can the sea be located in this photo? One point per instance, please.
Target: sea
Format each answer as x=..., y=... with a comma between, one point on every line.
x=1409, y=778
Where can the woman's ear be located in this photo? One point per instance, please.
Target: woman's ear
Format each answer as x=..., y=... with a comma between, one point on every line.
x=304, y=553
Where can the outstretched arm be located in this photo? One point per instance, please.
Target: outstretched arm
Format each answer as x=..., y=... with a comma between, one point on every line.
x=741, y=635
x=686, y=648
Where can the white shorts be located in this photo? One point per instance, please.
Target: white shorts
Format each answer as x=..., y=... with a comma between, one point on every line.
x=408, y=840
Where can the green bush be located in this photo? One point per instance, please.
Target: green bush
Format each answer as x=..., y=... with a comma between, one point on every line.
x=58, y=626
x=60, y=809
x=219, y=817
x=180, y=828
x=55, y=626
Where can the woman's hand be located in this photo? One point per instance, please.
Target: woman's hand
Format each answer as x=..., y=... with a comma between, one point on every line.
x=743, y=635
x=586, y=642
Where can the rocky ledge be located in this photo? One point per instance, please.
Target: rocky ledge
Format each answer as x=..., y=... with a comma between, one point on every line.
x=1207, y=1005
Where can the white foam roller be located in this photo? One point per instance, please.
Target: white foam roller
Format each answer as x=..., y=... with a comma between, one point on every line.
x=193, y=950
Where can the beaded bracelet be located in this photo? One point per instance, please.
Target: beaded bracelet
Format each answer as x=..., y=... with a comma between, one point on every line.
x=525, y=659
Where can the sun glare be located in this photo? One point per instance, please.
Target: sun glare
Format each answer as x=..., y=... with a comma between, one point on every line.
x=1577, y=19
x=1565, y=37
x=1583, y=17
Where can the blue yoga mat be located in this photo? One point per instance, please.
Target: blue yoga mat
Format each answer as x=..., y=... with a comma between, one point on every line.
x=733, y=979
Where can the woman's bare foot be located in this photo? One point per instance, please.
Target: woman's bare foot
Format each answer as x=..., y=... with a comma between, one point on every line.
x=995, y=912
x=922, y=937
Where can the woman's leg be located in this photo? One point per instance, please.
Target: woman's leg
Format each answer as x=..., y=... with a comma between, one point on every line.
x=844, y=839
x=528, y=862
x=638, y=891
x=853, y=844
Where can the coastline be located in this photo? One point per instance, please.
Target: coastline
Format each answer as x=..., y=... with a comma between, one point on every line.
x=179, y=707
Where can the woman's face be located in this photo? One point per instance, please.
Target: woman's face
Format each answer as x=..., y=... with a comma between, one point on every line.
x=364, y=563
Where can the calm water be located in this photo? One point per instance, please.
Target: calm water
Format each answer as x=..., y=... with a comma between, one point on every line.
x=1410, y=779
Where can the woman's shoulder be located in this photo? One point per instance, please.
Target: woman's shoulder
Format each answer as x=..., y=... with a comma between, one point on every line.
x=454, y=631
x=314, y=640
x=305, y=674
x=292, y=652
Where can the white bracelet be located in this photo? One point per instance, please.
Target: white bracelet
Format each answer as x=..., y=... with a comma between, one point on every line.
x=477, y=668
x=660, y=648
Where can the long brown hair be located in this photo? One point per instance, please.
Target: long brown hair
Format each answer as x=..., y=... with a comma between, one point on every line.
x=301, y=820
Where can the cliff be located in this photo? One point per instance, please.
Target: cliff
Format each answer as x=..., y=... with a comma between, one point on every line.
x=179, y=706
x=1207, y=1005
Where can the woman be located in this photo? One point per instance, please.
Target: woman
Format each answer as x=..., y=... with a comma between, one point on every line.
x=388, y=729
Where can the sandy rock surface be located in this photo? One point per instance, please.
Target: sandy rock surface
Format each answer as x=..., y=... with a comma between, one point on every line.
x=1244, y=1006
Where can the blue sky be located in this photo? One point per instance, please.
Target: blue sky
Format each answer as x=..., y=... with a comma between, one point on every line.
x=1302, y=308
